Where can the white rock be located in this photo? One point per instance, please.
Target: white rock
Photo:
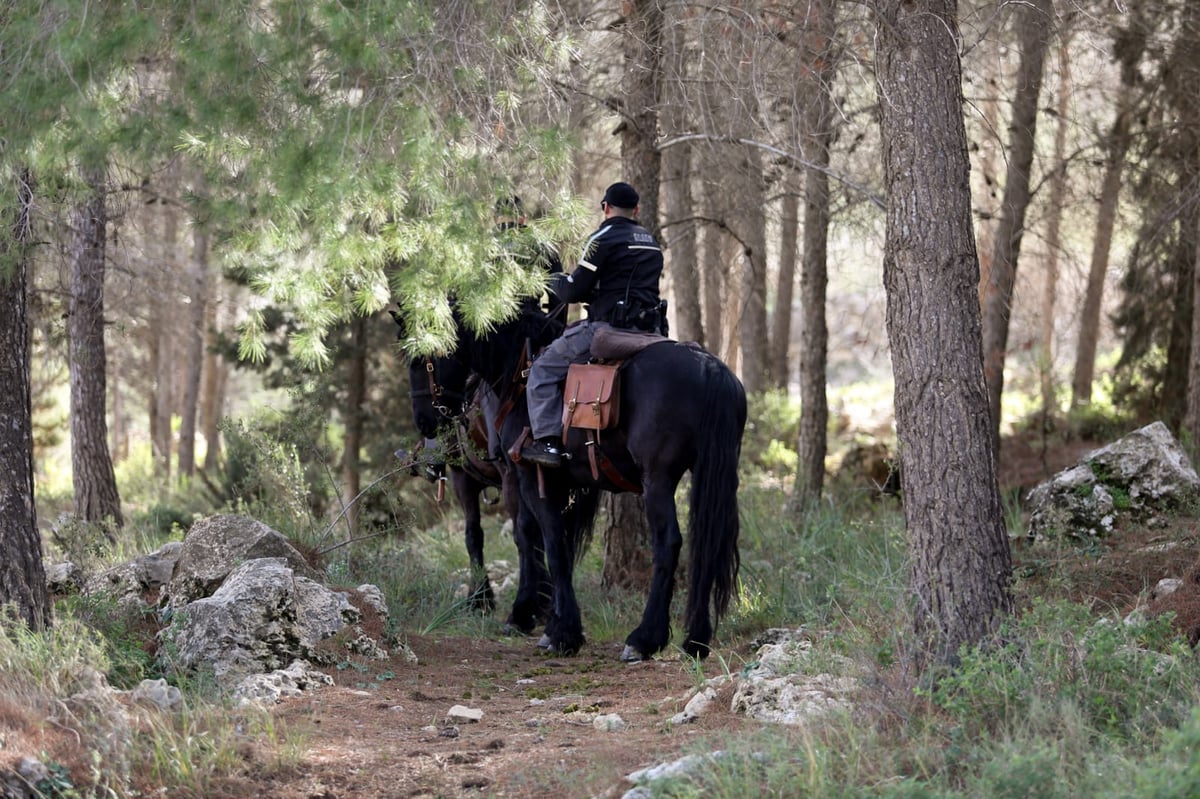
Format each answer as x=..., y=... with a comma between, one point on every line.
x=609, y=722
x=464, y=713
x=158, y=693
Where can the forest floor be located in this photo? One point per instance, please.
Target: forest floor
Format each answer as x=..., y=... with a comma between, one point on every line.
x=386, y=732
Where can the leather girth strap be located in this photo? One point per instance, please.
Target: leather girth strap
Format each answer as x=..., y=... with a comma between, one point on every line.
x=600, y=462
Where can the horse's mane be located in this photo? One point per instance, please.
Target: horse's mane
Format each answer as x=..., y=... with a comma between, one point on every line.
x=496, y=355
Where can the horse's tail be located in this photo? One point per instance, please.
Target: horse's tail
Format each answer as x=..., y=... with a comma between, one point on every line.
x=713, y=525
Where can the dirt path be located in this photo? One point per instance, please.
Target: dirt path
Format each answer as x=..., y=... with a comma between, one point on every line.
x=385, y=733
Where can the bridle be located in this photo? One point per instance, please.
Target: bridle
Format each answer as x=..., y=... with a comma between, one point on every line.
x=436, y=392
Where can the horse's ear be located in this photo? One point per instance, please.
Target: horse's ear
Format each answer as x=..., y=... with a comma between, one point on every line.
x=399, y=320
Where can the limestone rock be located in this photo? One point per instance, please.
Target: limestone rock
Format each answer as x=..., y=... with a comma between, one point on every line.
x=280, y=684
x=215, y=546
x=131, y=580
x=263, y=616
x=1135, y=475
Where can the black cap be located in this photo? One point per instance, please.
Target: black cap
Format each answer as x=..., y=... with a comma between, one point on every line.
x=621, y=195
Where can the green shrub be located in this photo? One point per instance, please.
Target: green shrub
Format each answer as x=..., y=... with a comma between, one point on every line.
x=1125, y=679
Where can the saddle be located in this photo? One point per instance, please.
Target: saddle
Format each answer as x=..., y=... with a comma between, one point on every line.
x=592, y=396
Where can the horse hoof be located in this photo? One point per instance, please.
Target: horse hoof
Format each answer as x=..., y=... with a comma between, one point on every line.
x=545, y=643
x=631, y=655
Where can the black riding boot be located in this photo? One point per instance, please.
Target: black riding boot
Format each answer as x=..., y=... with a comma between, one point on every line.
x=544, y=452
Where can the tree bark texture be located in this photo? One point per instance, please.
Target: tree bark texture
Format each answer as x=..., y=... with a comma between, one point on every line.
x=818, y=136
x=1119, y=139
x=714, y=281
x=193, y=352
x=1058, y=193
x=753, y=319
x=785, y=281
x=96, y=498
x=22, y=574
x=683, y=264
x=163, y=331
x=1191, y=419
x=961, y=563
x=627, y=533
x=1035, y=25
x=640, y=158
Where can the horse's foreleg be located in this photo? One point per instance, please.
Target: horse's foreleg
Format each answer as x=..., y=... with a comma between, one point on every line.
x=564, y=629
x=467, y=490
x=652, y=635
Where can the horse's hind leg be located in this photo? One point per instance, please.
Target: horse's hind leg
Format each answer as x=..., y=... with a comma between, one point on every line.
x=534, y=592
x=652, y=635
x=467, y=490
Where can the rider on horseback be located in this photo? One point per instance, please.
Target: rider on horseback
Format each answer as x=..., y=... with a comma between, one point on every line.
x=618, y=279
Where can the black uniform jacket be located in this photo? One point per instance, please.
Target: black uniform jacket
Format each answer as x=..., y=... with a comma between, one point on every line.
x=622, y=261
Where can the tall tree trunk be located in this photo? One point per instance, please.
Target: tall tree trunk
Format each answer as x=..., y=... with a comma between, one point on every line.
x=752, y=323
x=1106, y=218
x=785, y=281
x=22, y=574
x=1191, y=419
x=194, y=351
x=820, y=61
x=162, y=329
x=683, y=265
x=627, y=534
x=355, y=418
x=96, y=498
x=1058, y=191
x=1034, y=28
x=961, y=563
x=987, y=201
x=713, y=280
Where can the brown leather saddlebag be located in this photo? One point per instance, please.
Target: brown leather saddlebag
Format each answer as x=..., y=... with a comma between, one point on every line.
x=591, y=397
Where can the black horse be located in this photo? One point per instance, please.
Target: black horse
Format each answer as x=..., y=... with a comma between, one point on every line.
x=462, y=443
x=681, y=409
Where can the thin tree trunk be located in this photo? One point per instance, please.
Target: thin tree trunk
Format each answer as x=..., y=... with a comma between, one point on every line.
x=987, y=201
x=194, y=355
x=683, y=265
x=781, y=321
x=96, y=498
x=627, y=534
x=1035, y=24
x=1106, y=218
x=162, y=328
x=22, y=573
x=1191, y=419
x=355, y=418
x=753, y=322
x=1058, y=192
x=714, y=282
x=961, y=562
x=818, y=136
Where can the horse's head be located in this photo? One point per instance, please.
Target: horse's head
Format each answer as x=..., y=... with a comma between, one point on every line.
x=432, y=405
x=437, y=386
